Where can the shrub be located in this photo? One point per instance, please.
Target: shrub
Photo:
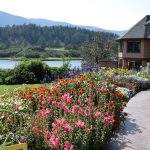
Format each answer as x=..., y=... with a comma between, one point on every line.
x=4, y=73
x=119, y=71
x=33, y=71
x=28, y=71
x=132, y=82
x=142, y=83
x=78, y=113
x=144, y=74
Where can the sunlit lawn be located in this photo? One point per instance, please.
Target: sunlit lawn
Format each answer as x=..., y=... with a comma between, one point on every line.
x=10, y=88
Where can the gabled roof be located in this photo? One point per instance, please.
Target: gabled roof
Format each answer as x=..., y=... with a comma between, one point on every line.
x=139, y=31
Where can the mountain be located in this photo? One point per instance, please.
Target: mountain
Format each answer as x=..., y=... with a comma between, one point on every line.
x=91, y=28
x=44, y=22
x=9, y=19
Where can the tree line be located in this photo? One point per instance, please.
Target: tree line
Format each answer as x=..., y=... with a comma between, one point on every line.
x=24, y=37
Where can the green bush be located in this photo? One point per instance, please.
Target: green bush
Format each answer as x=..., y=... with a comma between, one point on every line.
x=28, y=71
x=4, y=73
x=32, y=71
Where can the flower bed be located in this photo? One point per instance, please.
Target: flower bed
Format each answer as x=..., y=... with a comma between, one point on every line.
x=133, y=81
x=78, y=113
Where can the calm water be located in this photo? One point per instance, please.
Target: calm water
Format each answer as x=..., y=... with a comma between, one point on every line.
x=10, y=64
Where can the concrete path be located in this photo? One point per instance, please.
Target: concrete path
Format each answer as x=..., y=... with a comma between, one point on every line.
x=135, y=135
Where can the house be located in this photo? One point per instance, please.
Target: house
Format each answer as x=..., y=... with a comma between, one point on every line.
x=134, y=46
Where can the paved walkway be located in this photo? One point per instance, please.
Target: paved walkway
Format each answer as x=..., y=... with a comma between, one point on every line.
x=135, y=135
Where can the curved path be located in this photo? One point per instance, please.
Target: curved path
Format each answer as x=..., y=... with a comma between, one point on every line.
x=135, y=134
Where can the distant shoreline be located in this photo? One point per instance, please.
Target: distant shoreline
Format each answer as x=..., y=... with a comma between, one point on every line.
x=43, y=59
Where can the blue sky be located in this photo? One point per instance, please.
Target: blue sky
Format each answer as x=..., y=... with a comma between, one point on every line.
x=107, y=14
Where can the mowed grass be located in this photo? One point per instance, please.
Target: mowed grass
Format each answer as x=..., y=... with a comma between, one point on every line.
x=10, y=88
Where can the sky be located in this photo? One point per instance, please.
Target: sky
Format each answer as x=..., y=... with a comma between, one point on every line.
x=106, y=14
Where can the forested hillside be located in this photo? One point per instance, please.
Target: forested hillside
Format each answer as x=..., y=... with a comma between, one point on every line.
x=35, y=41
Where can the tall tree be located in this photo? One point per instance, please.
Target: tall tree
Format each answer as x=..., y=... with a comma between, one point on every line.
x=93, y=51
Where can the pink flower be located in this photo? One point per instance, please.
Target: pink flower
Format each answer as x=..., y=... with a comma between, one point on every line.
x=66, y=97
x=67, y=127
x=33, y=130
x=44, y=101
x=48, y=134
x=63, y=121
x=79, y=101
x=75, y=108
x=39, y=133
x=97, y=114
x=66, y=108
x=80, y=124
x=57, y=122
x=80, y=111
x=85, y=114
x=1, y=113
x=54, y=141
x=47, y=112
x=51, y=99
x=22, y=139
x=103, y=89
x=16, y=107
x=108, y=120
x=59, y=105
x=54, y=125
x=41, y=113
x=68, y=146
x=71, y=147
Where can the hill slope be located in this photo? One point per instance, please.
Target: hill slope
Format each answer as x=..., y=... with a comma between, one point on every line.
x=37, y=41
x=8, y=19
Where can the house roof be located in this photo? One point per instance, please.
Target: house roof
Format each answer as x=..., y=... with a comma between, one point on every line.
x=140, y=30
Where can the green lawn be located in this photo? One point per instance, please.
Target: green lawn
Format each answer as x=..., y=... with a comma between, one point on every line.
x=10, y=88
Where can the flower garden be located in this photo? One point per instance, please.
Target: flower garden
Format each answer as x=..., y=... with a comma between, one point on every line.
x=77, y=113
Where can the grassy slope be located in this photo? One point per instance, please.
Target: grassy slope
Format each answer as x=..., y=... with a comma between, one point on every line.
x=9, y=88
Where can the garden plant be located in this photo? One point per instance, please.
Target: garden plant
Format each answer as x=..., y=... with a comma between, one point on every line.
x=76, y=113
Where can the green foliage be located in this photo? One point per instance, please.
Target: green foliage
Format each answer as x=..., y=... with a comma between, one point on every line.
x=119, y=71
x=31, y=40
x=32, y=71
x=144, y=74
x=101, y=47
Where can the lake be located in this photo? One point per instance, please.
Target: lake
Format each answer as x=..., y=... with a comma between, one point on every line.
x=10, y=64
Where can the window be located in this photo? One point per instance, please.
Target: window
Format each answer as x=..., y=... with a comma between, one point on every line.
x=133, y=47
